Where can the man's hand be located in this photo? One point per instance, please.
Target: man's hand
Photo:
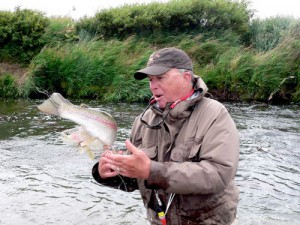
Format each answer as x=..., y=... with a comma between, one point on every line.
x=136, y=165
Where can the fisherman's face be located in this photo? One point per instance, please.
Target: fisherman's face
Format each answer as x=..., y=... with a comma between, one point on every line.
x=168, y=87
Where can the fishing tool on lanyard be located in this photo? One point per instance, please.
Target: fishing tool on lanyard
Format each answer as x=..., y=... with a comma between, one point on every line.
x=159, y=209
x=158, y=125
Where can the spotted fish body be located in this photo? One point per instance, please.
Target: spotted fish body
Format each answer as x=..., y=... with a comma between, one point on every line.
x=97, y=124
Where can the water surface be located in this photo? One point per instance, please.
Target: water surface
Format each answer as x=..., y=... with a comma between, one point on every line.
x=45, y=181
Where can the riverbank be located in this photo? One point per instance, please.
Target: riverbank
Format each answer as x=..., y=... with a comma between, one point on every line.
x=239, y=58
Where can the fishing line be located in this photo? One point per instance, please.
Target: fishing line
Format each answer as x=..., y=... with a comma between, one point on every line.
x=122, y=182
x=45, y=92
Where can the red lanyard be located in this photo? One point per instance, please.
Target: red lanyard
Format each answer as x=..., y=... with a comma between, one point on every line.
x=182, y=99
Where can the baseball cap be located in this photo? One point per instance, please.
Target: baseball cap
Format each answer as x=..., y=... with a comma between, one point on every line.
x=163, y=60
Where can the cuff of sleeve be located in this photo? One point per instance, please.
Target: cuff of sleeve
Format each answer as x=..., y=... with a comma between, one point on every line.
x=99, y=179
x=117, y=182
x=156, y=179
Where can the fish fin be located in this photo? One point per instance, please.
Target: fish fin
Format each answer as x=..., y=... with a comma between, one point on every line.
x=48, y=107
x=51, y=105
x=107, y=114
x=90, y=153
x=57, y=98
x=82, y=149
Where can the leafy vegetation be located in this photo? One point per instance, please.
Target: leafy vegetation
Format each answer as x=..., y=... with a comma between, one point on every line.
x=60, y=30
x=21, y=34
x=173, y=17
x=88, y=69
x=238, y=58
x=8, y=88
x=267, y=34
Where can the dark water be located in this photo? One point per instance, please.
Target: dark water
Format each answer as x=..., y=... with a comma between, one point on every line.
x=45, y=181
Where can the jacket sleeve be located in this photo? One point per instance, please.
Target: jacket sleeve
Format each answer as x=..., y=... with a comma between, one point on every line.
x=118, y=182
x=218, y=159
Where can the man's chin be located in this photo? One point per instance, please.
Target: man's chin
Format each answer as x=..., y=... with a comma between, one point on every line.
x=161, y=105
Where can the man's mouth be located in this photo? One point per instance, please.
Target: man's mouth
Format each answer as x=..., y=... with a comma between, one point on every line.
x=157, y=97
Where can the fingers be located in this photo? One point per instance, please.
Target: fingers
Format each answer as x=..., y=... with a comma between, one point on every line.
x=131, y=147
x=127, y=165
x=107, y=170
x=109, y=166
x=104, y=168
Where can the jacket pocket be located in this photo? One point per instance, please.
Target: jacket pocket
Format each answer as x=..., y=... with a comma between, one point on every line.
x=188, y=151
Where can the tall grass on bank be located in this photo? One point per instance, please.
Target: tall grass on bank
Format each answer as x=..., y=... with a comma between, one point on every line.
x=8, y=86
x=242, y=73
x=228, y=78
x=61, y=30
x=278, y=72
x=104, y=69
x=266, y=34
x=93, y=69
x=85, y=63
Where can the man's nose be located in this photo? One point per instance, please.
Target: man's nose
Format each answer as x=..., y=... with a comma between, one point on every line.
x=153, y=85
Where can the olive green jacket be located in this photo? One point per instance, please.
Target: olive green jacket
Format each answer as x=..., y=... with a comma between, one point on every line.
x=195, y=155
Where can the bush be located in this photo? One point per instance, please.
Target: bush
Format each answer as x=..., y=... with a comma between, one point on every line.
x=173, y=17
x=61, y=30
x=21, y=34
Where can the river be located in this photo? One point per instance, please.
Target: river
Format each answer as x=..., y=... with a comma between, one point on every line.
x=46, y=181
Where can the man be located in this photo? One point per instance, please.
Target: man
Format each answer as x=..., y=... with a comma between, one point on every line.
x=184, y=149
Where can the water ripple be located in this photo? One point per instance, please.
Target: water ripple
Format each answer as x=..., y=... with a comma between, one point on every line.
x=44, y=181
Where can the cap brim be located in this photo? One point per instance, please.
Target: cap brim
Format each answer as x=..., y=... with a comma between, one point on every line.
x=151, y=70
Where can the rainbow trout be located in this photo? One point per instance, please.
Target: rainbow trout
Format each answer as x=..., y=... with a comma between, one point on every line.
x=95, y=126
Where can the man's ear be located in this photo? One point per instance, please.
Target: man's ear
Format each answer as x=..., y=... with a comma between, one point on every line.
x=187, y=78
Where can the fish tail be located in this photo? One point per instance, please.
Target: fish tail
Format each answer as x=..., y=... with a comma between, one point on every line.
x=52, y=104
x=48, y=107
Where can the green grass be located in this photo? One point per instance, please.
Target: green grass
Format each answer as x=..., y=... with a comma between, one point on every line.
x=255, y=60
x=8, y=87
x=90, y=69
